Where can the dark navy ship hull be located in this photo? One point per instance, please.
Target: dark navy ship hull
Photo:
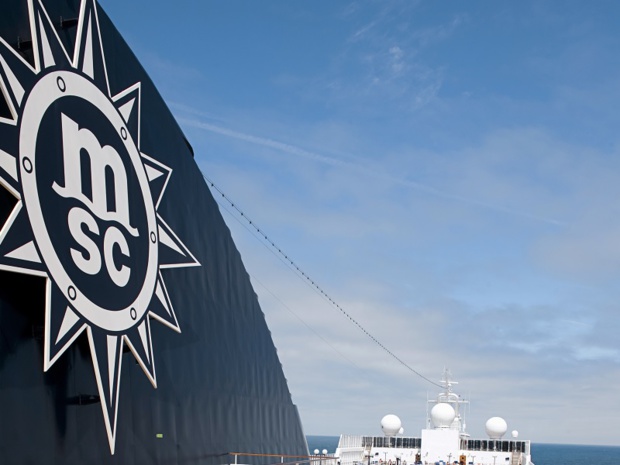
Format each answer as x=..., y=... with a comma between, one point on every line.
x=220, y=387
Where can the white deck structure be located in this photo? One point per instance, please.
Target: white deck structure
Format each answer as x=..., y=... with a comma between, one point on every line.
x=443, y=441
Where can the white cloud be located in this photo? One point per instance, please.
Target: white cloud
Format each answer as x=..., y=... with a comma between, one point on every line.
x=597, y=353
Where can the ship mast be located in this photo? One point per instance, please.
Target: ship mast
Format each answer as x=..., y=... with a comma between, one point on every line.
x=448, y=396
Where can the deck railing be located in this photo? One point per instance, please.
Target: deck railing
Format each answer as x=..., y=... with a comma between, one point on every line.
x=240, y=458
x=500, y=445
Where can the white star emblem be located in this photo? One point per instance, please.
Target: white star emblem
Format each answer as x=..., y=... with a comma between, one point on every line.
x=85, y=216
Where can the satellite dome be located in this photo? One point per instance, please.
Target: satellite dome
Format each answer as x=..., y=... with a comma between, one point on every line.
x=391, y=425
x=515, y=434
x=442, y=415
x=496, y=427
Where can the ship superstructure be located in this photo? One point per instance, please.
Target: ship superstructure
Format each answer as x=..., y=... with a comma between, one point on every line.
x=444, y=440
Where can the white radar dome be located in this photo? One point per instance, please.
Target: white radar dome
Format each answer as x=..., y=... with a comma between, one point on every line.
x=391, y=425
x=496, y=427
x=515, y=434
x=442, y=415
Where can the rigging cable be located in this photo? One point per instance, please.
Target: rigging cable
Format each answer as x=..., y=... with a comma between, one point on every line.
x=290, y=310
x=308, y=280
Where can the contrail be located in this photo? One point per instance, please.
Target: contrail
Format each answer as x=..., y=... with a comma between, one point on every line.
x=288, y=148
x=374, y=172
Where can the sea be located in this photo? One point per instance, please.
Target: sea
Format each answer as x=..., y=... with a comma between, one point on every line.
x=542, y=454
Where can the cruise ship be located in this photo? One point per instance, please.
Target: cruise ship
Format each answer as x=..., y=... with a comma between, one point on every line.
x=443, y=441
x=129, y=330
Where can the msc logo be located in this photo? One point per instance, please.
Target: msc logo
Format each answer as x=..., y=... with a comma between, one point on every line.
x=86, y=198
x=101, y=160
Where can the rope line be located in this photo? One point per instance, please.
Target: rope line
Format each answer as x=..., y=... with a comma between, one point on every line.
x=290, y=310
x=302, y=274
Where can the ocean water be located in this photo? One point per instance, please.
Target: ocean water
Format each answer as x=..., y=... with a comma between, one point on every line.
x=323, y=442
x=569, y=454
x=542, y=454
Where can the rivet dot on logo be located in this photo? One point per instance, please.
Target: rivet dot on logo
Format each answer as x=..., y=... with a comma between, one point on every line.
x=72, y=292
x=27, y=164
x=133, y=313
x=124, y=133
x=153, y=237
x=60, y=82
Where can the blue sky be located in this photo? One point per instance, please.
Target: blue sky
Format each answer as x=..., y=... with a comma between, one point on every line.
x=448, y=172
